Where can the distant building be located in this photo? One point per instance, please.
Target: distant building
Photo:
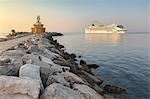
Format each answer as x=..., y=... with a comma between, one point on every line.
x=38, y=27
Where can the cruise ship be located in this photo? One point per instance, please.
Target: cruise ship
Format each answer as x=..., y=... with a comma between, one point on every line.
x=112, y=28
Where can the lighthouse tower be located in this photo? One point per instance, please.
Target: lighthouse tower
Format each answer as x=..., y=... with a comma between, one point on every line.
x=38, y=27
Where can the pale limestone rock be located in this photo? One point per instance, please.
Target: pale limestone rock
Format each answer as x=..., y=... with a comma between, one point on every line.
x=31, y=71
x=58, y=91
x=87, y=91
x=15, y=86
x=16, y=96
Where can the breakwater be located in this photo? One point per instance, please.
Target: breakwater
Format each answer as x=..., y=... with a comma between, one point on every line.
x=39, y=67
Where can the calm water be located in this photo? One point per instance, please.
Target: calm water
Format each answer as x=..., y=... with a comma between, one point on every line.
x=124, y=59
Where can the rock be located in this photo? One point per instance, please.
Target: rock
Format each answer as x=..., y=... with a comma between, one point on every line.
x=93, y=66
x=45, y=70
x=43, y=42
x=57, y=79
x=32, y=41
x=9, y=70
x=94, y=78
x=73, y=67
x=12, y=54
x=66, y=55
x=79, y=56
x=46, y=60
x=31, y=71
x=51, y=55
x=87, y=91
x=33, y=48
x=82, y=62
x=26, y=61
x=58, y=69
x=91, y=82
x=70, y=77
x=84, y=66
x=65, y=78
x=14, y=57
x=73, y=56
x=35, y=60
x=47, y=67
x=109, y=97
x=16, y=96
x=44, y=73
x=5, y=61
x=58, y=91
x=56, y=51
x=48, y=36
x=114, y=89
x=15, y=62
x=18, y=88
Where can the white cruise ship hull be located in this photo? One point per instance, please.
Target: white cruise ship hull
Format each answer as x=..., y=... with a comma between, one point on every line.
x=104, y=31
x=112, y=28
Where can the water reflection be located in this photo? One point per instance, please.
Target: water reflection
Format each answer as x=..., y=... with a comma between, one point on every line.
x=104, y=38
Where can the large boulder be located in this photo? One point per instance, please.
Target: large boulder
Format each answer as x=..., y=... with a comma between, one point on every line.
x=57, y=79
x=66, y=78
x=11, y=62
x=47, y=67
x=12, y=54
x=70, y=77
x=18, y=88
x=46, y=60
x=55, y=69
x=114, y=89
x=58, y=91
x=73, y=67
x=9, y=70
x=35, y=60
x=31, y=71
x=92, y=77
x=50, y=54
x=87, y=91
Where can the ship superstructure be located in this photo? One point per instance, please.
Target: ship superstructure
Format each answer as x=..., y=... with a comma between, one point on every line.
x=112, y=28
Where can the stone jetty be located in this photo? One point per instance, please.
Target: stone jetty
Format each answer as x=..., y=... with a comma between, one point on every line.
x=39, y=68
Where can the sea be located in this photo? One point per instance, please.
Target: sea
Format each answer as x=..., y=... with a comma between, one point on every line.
x=124, y=59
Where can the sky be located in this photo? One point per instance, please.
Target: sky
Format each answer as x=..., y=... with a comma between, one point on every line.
x=74, y=15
